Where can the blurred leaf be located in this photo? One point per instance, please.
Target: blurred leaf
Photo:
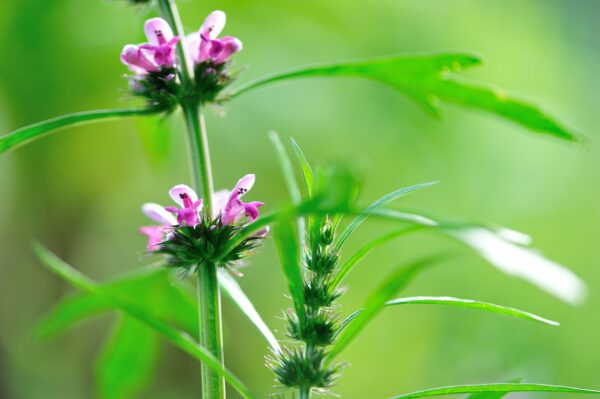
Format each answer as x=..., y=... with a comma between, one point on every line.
x=160, y=297
x=461, y=303
x=176, y=337
x=429, y=80
x=289, y=257
x=128, y=360
x=305, y=166
x=503, y=387
x=519, y=261
x=233, y=289
x=156, y=138
x=378, y=299
x=38, y=130
x=375, y=205
x=365, y=250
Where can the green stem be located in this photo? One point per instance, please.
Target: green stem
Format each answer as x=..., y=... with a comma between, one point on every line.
x=209, y=298
x=304, y=392
x=209, y=307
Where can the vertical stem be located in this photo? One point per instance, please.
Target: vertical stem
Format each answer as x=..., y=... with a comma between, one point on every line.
x=209, y=306
x=304, y=392
x=209, y=299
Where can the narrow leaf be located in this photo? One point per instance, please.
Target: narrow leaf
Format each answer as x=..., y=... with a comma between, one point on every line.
x=503, y=387
x=128, y=360
x=493, y=395
x=38, y=130
x=377, y=301
x=289, y=257
x=386, y=199
x=461, y=303
x=305, y=166
x=233, y=289
x=429, y=80
x=365, y=250
x=178, y=338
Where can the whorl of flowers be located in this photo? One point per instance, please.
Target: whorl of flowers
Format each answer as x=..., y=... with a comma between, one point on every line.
x=154, y=64
x=190, y=237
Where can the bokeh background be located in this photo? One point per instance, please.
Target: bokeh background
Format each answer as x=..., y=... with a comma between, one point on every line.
x=79, y=191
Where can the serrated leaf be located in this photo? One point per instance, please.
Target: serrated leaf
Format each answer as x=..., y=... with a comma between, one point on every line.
x=38, y=130
x=429, y=80
x=377, y=300
x=179, y=338
x=502, y=387
x=457, y=302
x=233, y=289
x=128, y=360
x=386, y=199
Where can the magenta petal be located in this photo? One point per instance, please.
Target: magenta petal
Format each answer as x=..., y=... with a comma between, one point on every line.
x=134, y=57
x=155, y=234
x=158, y=213
x=213, y=24
x=242, y=187
x=183, y=195
x=251, y=209
x=158, y=31
x=229, y=46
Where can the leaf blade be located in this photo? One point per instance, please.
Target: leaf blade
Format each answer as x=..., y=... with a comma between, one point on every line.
x=501, y=387
x=30, y=133
x=178, y=338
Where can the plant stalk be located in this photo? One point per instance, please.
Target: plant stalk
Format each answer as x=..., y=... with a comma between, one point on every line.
x=209, y=307
x=209, y=298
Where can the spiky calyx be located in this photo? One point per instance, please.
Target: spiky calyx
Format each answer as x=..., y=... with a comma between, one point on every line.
x=298, y=367
x=188, y=247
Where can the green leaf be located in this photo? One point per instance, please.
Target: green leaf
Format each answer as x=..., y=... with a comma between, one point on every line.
x=503, y=387
x=386, y=199
x=38, y=130
x=286, y=167
x=233, y=289
x=493, y=395
x=128, y=360
x=378, y=299
x=457, y=302
x=365, y=250
x=161, y=297
x=305, y=166
x=429, y=80
x=289, y=258
x=176, y=337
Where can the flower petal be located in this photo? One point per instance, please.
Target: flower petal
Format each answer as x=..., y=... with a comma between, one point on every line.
x=229, y=45
x=219, y=202
x=192, y=42
x=213, y=24
x=158, y=31
x=137, y=60
x=159, y=214
x=242, y=187
x=183, y=195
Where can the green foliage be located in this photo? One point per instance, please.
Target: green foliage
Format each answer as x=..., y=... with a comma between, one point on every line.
x=175, y=336
x=128, y=360
x=305, y=167
x=378, y=299
x=429, y=80
x=30, y=133
x=461, y=303
x=497, y=388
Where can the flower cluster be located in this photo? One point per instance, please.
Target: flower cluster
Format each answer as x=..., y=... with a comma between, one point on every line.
x=304, y=366
x=154, y=64
x=191, y=237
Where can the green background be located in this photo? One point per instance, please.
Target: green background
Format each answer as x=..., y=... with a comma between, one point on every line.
x=79, y=191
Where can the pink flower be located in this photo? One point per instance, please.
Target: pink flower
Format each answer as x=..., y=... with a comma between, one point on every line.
x=188, y=200
x=205, y=46
x=158, y=53
x=231, y=208
x=158, y=233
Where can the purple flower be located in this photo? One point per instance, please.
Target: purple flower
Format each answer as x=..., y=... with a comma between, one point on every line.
x=205, y=46
x=233, y=209
x=189, y=203
x=157, y=233
x=158, y=53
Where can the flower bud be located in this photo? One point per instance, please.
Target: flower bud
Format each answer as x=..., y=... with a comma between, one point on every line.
x=327, y=232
